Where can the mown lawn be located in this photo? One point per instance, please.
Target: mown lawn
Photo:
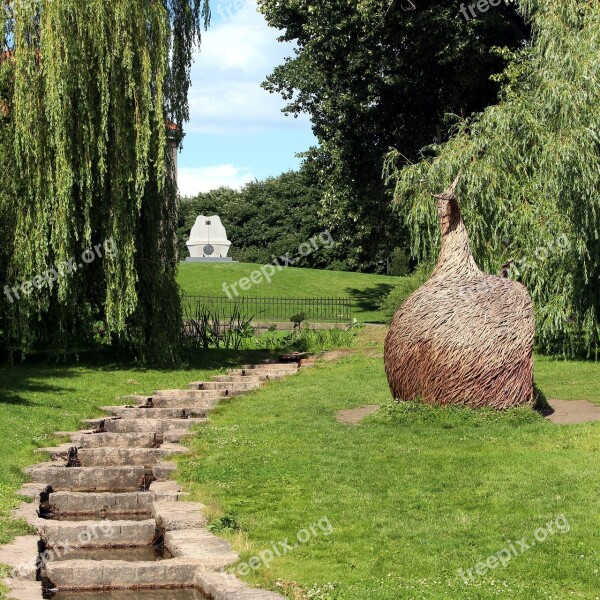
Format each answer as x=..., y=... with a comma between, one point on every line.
x=568, y=380
x=366, y=291
x=413, y=494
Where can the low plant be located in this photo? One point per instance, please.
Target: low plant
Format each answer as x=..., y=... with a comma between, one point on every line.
x=208, y=328
x=317, y=340
x=302, y=340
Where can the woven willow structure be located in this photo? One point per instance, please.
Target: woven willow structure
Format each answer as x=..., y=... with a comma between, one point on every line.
x=464, y=337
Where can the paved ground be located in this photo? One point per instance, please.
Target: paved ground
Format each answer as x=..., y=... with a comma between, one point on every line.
x=573, y=411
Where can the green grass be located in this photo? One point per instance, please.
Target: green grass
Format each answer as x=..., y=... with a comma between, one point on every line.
x=413, y=493
x=366, y=291
x=568, y=380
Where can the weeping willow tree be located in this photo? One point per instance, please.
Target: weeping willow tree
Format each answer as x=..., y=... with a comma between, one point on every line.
x=530, y=189
x=88, y=89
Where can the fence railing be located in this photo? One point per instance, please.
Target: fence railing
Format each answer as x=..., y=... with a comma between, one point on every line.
x=316, y=310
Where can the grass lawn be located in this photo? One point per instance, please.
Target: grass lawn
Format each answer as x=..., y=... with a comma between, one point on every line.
x=413, y=494
x=568, y=380
x=366, y=291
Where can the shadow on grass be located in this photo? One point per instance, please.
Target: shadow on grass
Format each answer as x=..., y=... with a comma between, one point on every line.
x=8, y=398
x=17, y=382
x=370, y=298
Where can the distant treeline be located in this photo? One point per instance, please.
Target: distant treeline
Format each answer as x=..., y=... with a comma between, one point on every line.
x=269, y=218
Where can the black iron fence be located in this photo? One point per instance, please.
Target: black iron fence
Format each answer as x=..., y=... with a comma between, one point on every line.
x=316, y=310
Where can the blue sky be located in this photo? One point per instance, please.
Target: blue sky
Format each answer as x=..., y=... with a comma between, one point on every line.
x=237, y=131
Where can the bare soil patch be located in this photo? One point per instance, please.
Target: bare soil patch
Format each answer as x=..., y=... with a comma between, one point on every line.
x=573, y=411
x=354, y=416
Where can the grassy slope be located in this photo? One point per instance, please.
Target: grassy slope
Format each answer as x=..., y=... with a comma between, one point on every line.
x=365, y=290
x=417, y=498
x=413, y=495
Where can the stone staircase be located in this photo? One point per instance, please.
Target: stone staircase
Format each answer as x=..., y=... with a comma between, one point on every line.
x=111, y=523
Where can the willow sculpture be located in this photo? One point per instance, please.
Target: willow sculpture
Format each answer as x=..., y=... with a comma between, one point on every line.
x=464, y=337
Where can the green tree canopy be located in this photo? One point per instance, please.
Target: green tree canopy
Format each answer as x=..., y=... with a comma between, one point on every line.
x=530, y=189
x=375, y=74
x=88, y=88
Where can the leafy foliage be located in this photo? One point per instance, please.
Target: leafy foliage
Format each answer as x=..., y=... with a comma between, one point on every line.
x=92, y=86
x=392, y=301
x=206, y=327
x=7, y=187
x=400, y=263
x=530, y=189
x=374, y=74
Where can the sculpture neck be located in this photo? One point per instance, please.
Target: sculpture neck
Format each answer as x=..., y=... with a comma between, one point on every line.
x=455, y=257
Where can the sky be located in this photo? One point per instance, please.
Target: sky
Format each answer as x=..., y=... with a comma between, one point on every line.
x=237, y=132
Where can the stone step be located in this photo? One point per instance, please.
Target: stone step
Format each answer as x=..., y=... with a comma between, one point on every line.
x=116, y=440
x=240, y=378
x=200, y=544
x=230, y=386
x=94, y=424
x=163, y=471
x=189, y=412
x=158, y=426
x=98, y=534
x=91, y=479
x=77, y=503
x=175, y=516
x=112, y=456
x=134, y=399
x=225, y=586
x=186, y=593
x=184, y=403
x=120, y=457
x=106, y=575
x=269, y=375
x=57, y=453
x=272, y=367
x=189, y=394
x=176, y=436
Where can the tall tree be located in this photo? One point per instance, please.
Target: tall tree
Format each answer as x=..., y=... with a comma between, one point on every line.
x=530, y=189
x=88, y=90
x=376, y=74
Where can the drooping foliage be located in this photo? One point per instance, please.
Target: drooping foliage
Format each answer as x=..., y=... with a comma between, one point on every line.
x=7, y=189
x=531, y=176
x=377, y=74
x=89, y=88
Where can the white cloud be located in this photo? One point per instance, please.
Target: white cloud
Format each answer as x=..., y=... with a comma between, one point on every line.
x=237, y=54
x=193, y=181
x=237, y=107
